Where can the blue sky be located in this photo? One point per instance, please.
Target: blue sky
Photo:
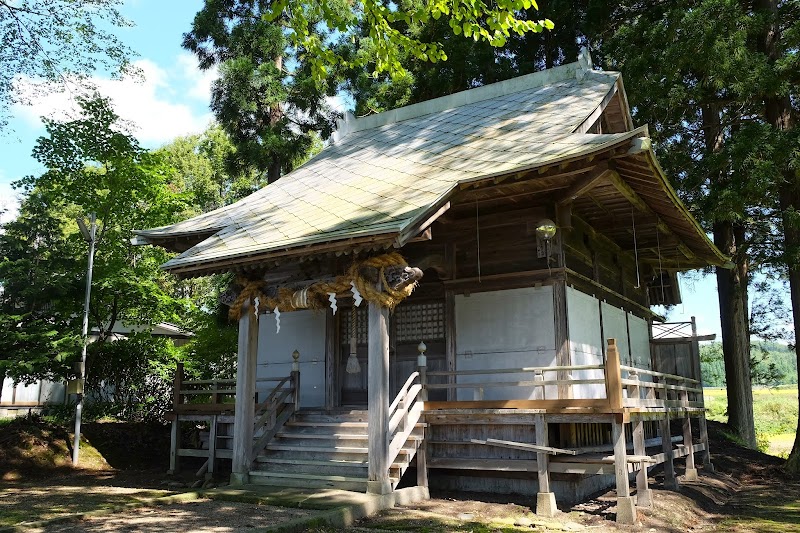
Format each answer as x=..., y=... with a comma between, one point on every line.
x=173, y=100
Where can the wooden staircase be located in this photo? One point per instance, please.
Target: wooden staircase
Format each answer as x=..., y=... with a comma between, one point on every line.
x=326, y=449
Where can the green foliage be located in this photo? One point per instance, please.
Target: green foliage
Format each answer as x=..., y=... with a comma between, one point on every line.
x=92, y=166
x=131, y=379
x=268, y=111
x=771, y=364
x=469, y=64
x=50, y=44
x=384, y=43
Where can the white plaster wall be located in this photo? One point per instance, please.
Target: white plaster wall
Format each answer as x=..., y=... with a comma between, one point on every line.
x=300, y=330
x=585, y=341
x=25, y=393
x=615, y=327
x=8, y=389
x=640, y=342
x=504, y=329
x=50, y=393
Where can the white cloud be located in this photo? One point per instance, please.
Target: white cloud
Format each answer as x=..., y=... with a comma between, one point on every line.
x=199, y=81
x=9, y=201
x=157, y=105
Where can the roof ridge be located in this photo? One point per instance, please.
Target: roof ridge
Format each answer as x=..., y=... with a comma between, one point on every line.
x=579, y=69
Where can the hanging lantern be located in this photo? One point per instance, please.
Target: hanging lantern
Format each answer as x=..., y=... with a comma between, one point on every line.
x=353, y=366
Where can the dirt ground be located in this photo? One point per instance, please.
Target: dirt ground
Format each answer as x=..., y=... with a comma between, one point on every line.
x=747, y=493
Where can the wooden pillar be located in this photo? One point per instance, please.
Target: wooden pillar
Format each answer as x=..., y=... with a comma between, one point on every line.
x=295, y=380
x=703, y=426
x=613, y=376
x=422, y=450
x=644, y=496
x=422, y=464
x=562, y=336
x=245, y=397
x=378, y=398
x=212, y=447
x=174, y=445
x=450, y=340
x=331, y=399
x=691, y=472
x=545, y=498
x=670, y=482
x=626, y=510
x=175, y=433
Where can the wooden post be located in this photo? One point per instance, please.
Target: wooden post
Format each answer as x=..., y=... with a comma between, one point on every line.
x=613, y=376
x=422, y=463
x=626, y=510
x=296, y=379
x=378, y=397
x=422, y=450
x=703, y=425
x=670, y=482
x=450, y=341
x=176, y=387
x=330, y=359
x=422, y=369
x=175, y=433
x=644, y=496
x=691, y=472
x=214, y=392
x=174, y=445
x=212, y=447
x=538, y=390
x=245, y=397
x=545, y=498
x=562, y=336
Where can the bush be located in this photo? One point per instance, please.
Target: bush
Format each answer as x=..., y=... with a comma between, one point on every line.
x=131, y=379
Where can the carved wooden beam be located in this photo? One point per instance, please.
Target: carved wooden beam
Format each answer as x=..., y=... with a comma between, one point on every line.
x=398, y=277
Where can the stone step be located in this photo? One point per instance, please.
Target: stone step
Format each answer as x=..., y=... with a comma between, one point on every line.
x=280, y=479
x=347, y=453
x=331, y=416
x=347, y=468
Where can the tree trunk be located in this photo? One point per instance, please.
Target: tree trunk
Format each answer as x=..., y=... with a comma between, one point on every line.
x=275, y=116
x=733, y=316
x=732, y=293
x=779, y=114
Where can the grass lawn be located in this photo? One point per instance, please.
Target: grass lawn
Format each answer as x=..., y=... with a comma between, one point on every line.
x=774, y=410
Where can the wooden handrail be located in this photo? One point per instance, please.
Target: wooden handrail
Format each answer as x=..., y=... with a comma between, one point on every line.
x=658, y=374
x=404, y=413
x=492, y=384
x=522, y=370
x=403, y=391
x=277, y=410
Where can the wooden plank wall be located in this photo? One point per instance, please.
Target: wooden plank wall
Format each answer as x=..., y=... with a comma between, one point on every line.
x=674, y=357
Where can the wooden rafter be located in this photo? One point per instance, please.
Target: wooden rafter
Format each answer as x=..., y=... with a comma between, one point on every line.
x=584, y=184
x=636, y=200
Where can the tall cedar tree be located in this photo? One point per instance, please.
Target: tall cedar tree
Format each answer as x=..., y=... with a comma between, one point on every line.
x=706, y=110
x=265, y=97
x=712, y=92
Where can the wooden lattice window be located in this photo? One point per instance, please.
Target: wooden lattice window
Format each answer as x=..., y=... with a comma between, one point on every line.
x=420, y=322
x=361, y=325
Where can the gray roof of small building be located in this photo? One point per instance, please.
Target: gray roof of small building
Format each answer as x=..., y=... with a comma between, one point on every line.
x=385, y=172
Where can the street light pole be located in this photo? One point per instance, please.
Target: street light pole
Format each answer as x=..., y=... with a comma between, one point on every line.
x=89, y=235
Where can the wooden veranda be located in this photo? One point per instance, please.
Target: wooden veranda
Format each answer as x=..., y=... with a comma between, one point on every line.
x=625, y=432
